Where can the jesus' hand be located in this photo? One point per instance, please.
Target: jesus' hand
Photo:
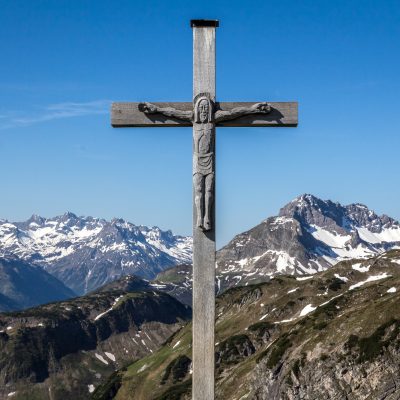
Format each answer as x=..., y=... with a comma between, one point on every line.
x=262, y=108
x=147, y=108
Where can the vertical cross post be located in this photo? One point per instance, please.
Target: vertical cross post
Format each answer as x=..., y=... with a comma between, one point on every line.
x=203, y=114
x=203, y=240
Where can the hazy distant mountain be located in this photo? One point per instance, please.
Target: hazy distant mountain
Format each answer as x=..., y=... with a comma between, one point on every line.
x=85, y=252
x=24, y=285
x=308, y=236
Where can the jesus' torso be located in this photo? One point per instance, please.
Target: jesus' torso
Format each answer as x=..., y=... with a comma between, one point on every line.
x=203, y=157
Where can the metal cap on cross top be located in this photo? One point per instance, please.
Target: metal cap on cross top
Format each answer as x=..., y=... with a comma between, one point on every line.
x=204, y=23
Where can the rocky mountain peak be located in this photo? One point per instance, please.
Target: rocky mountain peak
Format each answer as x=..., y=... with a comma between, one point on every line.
x=310, y=210
x=36, y=219
x=308, y=235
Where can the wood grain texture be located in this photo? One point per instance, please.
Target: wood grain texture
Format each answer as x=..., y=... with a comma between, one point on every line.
x=283, y=114
x=203, y=242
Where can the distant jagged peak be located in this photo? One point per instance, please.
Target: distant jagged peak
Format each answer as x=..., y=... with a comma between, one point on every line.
x=69, y=215
x=35, y=219
x=311, y=210
x=70, y=223
x=308, y=200
x=119, y=221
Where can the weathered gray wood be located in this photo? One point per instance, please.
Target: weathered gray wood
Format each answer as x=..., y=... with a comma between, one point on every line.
x=203, y=241
x=283, y=114
x=271, y=114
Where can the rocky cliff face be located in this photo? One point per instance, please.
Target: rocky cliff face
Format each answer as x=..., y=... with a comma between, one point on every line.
x=332, y=335
x=308, y=236
x=64, y=350
x=85, y=253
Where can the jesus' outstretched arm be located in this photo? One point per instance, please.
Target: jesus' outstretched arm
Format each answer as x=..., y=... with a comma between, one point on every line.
x=149, y=108
x=257, y=108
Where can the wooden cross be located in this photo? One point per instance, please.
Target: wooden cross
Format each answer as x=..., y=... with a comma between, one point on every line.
x=204, y=114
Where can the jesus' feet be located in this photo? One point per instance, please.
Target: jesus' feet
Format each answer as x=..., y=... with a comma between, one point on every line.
x=207, y=224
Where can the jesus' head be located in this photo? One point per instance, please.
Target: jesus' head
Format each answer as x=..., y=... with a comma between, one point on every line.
x=204, y=110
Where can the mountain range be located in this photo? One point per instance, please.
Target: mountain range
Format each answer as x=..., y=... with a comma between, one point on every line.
x=307, y=236
x=85, y=253
x=331, y=335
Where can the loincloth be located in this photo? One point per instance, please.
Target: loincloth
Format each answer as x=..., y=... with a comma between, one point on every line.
x=203, y=163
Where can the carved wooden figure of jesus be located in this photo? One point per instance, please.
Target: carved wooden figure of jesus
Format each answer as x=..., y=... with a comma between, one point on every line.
x=204, y=118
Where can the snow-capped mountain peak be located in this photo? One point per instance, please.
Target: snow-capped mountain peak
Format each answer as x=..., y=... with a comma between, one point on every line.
x=87, y=252
x=307, y=236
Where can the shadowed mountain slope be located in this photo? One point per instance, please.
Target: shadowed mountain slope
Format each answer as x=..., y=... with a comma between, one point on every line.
x=23, y=285
x=64, y=350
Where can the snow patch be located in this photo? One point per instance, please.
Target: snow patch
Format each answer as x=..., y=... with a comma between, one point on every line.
x=386, y=235
x=110, y=309
x=359, y=268
x=329, y=238
x=303, y=278
x=142, y=368
x=284, y=321
x=176, y=344
x=110, y=356
x=342, y=278
x=371, y=278
x=307, y=309
x=101, y=358
x=158, y=286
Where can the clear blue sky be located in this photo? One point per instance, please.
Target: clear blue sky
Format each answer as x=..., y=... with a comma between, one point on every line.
x=64, y=61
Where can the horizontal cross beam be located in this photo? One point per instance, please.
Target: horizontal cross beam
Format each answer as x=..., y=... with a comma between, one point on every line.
x=129, y=115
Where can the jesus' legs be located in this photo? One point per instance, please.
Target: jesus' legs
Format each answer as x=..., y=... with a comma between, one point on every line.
x=198, y=182
x=208, y=200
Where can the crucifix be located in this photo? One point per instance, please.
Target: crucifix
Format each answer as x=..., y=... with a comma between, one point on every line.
x=204, y=114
